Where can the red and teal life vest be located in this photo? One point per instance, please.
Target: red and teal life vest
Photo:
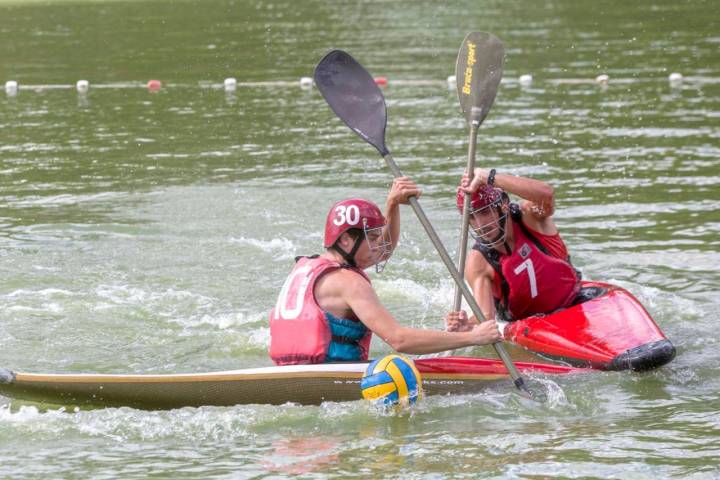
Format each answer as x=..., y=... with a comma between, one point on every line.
x=303, y=333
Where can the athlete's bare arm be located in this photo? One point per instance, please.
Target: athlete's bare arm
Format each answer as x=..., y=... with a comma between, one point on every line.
x=360, y=299
x=480, y=275
x=401, y=190
x=539, y=197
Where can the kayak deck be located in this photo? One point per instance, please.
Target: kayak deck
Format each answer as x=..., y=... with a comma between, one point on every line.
x=610, y=330
x=303, y=384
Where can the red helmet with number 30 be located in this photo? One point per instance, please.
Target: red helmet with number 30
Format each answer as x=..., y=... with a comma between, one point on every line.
x=351, y=213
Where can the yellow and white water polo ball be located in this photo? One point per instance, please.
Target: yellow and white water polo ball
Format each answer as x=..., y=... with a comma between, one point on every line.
x=392, y=380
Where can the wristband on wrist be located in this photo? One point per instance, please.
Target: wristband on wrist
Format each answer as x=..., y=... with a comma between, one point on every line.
x=491, y=177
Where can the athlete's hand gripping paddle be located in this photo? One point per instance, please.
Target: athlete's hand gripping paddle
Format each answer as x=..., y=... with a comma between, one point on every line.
x=478, y=72
x=354, y=97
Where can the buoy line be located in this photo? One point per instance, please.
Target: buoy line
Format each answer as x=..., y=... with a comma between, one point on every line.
x=524, y=81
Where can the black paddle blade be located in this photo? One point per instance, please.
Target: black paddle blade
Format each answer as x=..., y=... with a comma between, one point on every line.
x=354, y=97
x=478, y=73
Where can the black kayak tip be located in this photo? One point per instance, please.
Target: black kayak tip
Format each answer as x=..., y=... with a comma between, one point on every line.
x=645, y=357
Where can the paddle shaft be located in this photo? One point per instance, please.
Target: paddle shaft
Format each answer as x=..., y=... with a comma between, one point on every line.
x=462, y=251
x=499, y=349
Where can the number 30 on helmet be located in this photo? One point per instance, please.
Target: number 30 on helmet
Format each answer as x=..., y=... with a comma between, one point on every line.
x=351, y=213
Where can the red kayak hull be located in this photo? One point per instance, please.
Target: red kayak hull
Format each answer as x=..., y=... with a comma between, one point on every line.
x=612, y=331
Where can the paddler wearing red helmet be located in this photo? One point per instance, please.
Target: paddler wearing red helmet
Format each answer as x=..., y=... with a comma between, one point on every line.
x=518, y=266
x=327, y=309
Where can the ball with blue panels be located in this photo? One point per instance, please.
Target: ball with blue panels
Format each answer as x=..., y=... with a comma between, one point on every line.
x=392, y=380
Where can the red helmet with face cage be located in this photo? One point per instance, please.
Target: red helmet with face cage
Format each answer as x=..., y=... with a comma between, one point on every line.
x=484, y=197
x=351, y=213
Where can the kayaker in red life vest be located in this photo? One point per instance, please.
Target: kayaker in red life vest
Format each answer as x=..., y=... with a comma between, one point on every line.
x=327, y=310
x=519, y=266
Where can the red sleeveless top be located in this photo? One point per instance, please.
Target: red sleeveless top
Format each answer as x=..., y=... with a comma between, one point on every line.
x=537, y=282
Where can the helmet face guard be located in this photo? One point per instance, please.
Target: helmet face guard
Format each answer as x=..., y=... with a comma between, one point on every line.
x=379, y=244
x=489, y=234
x=482, y=203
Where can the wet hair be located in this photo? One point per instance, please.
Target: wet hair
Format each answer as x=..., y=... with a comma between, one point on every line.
x=354, y=233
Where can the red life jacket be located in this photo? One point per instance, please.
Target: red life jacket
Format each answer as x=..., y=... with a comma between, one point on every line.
x=300, y=331
x=537, y=277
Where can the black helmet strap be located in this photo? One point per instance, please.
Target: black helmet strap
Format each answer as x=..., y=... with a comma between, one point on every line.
x=349, y=256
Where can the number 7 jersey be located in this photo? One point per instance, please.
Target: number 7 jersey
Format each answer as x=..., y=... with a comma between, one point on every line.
x=531, y=280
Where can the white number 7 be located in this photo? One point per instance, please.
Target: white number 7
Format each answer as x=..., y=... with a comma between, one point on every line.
x=528, y=265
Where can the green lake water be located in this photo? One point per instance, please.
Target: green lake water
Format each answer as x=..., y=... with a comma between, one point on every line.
x=151, y=232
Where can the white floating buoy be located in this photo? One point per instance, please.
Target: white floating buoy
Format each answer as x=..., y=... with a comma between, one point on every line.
x=11, y=88
x=82, y=86
x=525, y=80
x=306, y=82
x=452, y=82
x=675, y=79
x=230, y=84
x=602, y=79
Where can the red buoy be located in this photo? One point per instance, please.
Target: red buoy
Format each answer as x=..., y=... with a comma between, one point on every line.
x=381, y=81
x=154, y=85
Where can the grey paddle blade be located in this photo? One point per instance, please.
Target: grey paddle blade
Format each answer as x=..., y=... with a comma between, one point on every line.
x=478, y=73
x=354, y=97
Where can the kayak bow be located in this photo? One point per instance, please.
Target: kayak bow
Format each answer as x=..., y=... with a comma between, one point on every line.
x=610, y=330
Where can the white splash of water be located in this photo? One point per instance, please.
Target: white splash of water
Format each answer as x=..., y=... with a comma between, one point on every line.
x=281, y=247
